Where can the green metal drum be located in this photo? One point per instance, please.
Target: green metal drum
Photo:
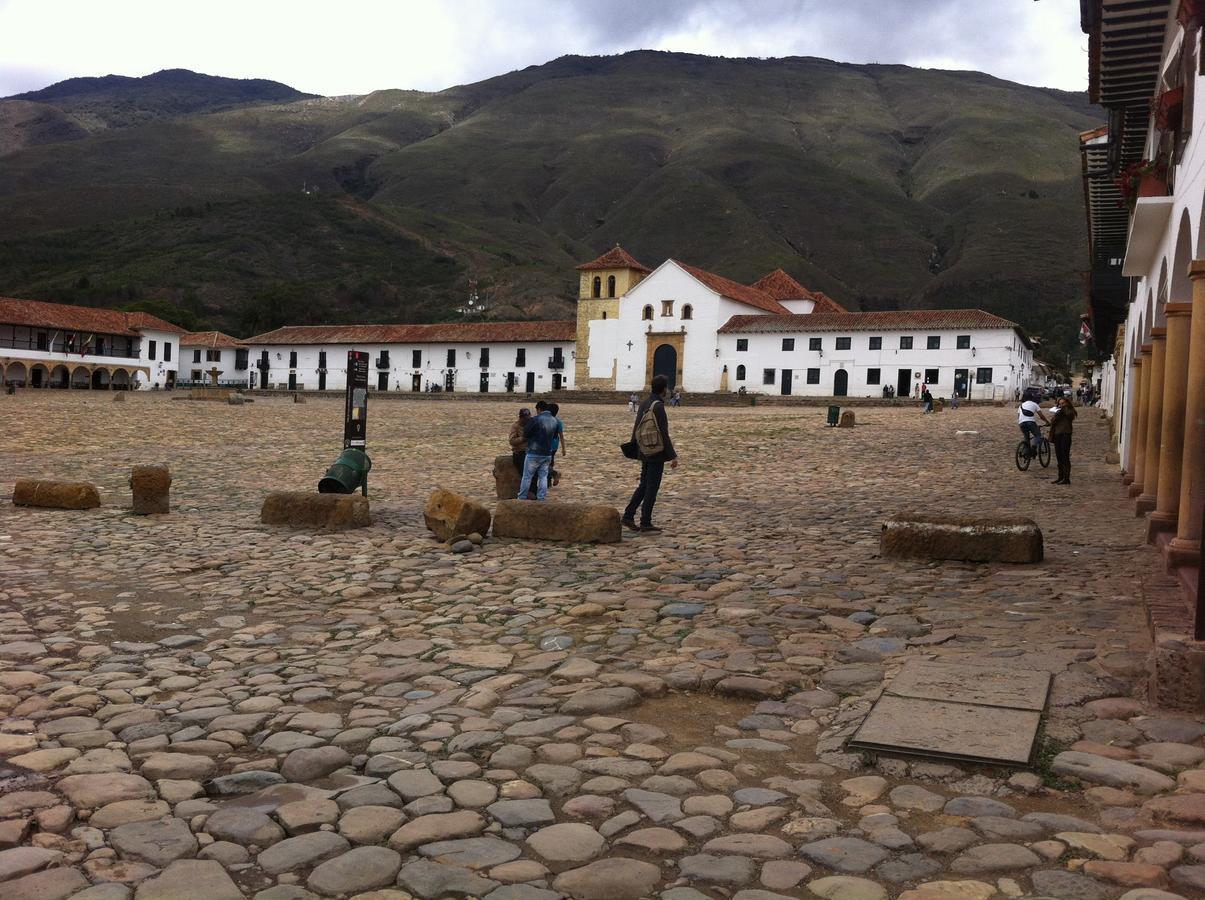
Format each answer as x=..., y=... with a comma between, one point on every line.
x=349, y=472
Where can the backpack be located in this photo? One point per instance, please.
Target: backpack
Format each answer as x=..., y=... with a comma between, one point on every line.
x=648, y=435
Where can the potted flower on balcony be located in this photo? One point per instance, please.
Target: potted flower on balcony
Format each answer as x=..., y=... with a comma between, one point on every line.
x=1145, y=178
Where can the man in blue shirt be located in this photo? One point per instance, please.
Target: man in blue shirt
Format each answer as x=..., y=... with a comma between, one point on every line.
x=541, y=433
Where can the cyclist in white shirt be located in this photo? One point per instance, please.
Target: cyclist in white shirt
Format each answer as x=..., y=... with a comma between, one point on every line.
x=1028, y=414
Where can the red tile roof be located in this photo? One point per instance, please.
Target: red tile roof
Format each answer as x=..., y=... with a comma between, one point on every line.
x=887, y=320
x=37, y=314
x=213, y=340
x=615, y=258
x=781, y=286
x=741, y=293
x=442, y=333
x=826, y=304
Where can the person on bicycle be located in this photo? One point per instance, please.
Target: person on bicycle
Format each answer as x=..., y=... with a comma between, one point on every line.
x=1028, y=414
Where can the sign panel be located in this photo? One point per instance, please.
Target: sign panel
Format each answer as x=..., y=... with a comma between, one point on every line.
x=355, y=416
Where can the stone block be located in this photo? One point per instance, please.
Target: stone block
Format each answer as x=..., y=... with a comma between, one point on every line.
x=297, y=398
x=330, y=512
x=236, y=400
x=847, y=419
x=151, y=486
x=448, y=514
x=573, y=522
x=55, y=494
x=976, y=539
x=119, y=396
x=506, y=477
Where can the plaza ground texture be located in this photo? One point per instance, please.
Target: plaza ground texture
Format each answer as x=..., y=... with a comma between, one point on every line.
x=198, y=705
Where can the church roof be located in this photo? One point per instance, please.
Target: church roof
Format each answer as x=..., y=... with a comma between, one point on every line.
x=741, y=293
x=781, y=286
x=615, y=258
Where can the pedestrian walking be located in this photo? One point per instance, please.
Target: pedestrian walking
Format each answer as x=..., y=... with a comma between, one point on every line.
x=633, y=403
x=926, y=399
x=1061, y=426
x=539, y=432
x=650, y=444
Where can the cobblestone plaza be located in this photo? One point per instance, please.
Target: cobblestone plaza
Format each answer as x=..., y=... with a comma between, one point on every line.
x=199, y=706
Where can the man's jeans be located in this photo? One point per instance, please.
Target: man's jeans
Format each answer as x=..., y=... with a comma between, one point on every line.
x=645, y=495
x=535, y=466
x=1033, y=433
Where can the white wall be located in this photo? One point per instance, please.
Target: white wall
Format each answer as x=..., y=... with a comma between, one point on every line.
x=166, y=344
x=1001, y=350
x=225, y=364
x=432, y=370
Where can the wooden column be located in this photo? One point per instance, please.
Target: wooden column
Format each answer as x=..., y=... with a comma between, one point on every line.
x=1129, y=405
x=1154, y=425
x=1175, y=387
x=1185, y=547
x=1141, y=415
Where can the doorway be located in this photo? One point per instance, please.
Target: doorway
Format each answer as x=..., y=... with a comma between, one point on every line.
x=322, y=381
x=558, y=381
x=416, y=382
x=531, y=382
x=840, y=383
x=903, y=383
x=665, y=362
x=961, y=377
x=510, y=382
x=485, y=382
x=292, y=381
x=787, y=375
x=450, y=382
x=382, y=381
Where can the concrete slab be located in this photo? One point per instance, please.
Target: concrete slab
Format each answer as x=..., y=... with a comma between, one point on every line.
x=969, y=683
x=958, y=731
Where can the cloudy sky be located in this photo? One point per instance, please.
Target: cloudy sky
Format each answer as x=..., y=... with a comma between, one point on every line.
x=356, y=46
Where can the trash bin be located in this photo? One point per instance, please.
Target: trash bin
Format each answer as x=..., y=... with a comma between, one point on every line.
x=834, y=416
x=349, y=472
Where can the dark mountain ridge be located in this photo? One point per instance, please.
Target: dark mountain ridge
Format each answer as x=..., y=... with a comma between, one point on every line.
x=882, y=185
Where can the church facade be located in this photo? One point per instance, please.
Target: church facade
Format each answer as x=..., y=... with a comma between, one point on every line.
x=707, y=333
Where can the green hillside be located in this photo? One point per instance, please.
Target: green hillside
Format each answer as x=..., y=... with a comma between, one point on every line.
x=884, y=186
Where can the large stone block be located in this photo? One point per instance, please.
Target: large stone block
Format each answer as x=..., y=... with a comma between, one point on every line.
x=848, y=420
x=573, y=522
x=151, y=486
x=977, y=539
x=448, y=514
x=299, y=509
x=56, y=494
x=506, y=477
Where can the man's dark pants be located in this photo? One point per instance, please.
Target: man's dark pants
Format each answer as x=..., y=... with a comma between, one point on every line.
x=646, y=492
x=1062, y=452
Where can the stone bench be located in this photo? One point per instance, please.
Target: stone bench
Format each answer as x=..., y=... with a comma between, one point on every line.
x=572, y=522
x=301, y=509
x=450, y=515
x=55, y=494
x=151, y=487
x=1011, y=539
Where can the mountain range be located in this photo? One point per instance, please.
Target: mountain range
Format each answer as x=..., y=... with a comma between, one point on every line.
x=244, y=204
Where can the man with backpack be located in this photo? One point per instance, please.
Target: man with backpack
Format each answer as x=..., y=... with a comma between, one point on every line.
x=654, y=449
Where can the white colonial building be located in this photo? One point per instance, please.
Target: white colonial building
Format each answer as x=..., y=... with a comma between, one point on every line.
x=708, y=333
x=211, y=358
x=485, y=357
x=52, y=345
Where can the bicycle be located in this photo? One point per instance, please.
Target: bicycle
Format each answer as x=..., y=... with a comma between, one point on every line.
x=1025, y=454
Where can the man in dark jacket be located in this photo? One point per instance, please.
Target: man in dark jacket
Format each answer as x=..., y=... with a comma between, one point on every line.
x=651, y=467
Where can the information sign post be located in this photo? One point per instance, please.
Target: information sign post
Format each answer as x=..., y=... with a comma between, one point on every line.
x=355, y=417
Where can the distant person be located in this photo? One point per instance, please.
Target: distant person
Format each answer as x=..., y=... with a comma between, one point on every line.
x=518, y=443
x=539, y=433
x=676, y=399
x=633, y=402
x=926, y=399
x=1062, y=420
x=558, y=443
x=954, y=400
x=1028, y=414
x=654, y=449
